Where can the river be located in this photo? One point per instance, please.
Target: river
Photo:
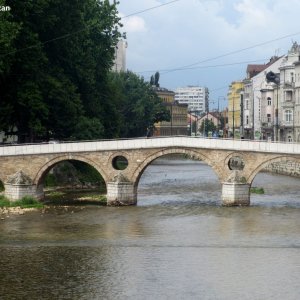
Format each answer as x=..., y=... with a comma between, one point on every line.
x=177, y=243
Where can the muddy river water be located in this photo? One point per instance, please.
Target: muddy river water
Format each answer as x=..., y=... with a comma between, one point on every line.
x=177, y=243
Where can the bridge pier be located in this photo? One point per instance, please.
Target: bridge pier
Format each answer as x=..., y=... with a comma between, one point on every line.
x=235, y=194
x=20, y=185
x=121, y=192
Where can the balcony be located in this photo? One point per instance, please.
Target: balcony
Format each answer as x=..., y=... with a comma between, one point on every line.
x=267, y=125
x=286, y=124
x=288, y=85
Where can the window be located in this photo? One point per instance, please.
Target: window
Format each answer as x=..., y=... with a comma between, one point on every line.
x=288, y=116
x=247, y=120
x=269, y=101
x=269, y=118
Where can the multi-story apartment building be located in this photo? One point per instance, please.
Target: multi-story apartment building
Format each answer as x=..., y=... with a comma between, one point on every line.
x=253, y=103
x=265, y=106
x=120, y=56
x=235, y=101
x=271, y=110
x=297, y=102
x=178, y=112
x=289, y=108
x=195, y=97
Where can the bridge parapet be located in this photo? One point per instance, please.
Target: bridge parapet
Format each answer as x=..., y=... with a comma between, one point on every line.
x=142, y=143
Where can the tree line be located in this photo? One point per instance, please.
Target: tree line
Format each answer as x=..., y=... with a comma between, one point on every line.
x=55, y=74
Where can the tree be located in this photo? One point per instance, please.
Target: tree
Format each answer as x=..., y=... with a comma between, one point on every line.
x=60, y=54
x=138, y=106
x=156, y=79
x=207, y=126
x=152, y=80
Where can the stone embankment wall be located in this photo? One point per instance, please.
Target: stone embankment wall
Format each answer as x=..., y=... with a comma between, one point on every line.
x=289, y=168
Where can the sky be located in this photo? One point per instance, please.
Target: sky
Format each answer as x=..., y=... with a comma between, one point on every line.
x=209, y=42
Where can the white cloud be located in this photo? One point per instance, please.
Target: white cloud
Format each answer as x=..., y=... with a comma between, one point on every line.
x=190, y=31
x=134, y=24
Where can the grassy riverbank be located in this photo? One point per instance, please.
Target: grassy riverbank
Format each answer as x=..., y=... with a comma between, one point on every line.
x=57, y=197
x=25, y=202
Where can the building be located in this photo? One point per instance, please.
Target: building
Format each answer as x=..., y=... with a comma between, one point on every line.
x=120, y=57
x=195, y=97
x=235, y=107
x=252, y=98
x=215, y=118
x=263, y=98
x=297, y=102
x=178, y=112
x=289, y=109
x=8, y=138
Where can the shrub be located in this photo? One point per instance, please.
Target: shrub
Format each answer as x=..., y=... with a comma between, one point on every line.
x=4, y=202
x=27, y=202
x=257, y=190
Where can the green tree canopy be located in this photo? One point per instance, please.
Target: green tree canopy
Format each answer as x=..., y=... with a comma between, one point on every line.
x=207, y=126
x=138, y=105
x=54, y=62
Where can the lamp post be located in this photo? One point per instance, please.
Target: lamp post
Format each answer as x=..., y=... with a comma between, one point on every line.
x=222, y=98
x=233, y=119
x=171, y=119
x=190, y=123
x=276, y=116
x=272, y=77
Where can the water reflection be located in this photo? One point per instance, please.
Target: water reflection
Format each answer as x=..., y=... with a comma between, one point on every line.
x=178, y=243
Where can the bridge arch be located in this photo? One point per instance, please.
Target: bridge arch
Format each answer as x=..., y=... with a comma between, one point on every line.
x=50, y=164
x=138, y=172
x=269, y=161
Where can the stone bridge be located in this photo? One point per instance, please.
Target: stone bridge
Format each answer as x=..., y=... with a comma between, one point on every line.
x=235, y=162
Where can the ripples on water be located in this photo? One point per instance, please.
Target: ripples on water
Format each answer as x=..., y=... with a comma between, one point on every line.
x=178, y=243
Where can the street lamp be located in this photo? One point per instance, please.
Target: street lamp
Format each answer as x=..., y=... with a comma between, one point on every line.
x=219, y=98
x=275, y=78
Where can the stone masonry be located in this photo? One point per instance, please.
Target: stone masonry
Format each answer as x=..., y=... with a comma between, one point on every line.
x=35, y=161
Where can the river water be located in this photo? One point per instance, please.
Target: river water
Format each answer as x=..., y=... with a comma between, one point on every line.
x=177, y=243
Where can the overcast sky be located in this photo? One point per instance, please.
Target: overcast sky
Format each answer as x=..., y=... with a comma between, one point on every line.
x=202, y=34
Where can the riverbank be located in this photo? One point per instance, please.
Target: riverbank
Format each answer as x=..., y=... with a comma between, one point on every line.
x=6, y=211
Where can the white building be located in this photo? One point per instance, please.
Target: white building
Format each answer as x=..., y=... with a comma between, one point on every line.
x=195, y=97
x=252, y=101
x=120, y=56
x=270, y=110
x=265, y=105
x=7, y=138
x=289, y=110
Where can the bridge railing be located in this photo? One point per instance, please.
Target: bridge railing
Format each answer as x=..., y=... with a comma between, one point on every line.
x=153, y=142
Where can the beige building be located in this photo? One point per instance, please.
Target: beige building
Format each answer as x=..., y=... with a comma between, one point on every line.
x=120, y=56
x=235, y=98
x=178, y=112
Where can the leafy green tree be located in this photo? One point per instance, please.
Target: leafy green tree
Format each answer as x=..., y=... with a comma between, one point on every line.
x=8, y=32
x=138, y=105
x=207, y=126
x=156, y=79
x=57, y=78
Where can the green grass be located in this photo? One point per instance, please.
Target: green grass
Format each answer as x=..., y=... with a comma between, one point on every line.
x=4, y=202
x=257, y=190
x=25, y=202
